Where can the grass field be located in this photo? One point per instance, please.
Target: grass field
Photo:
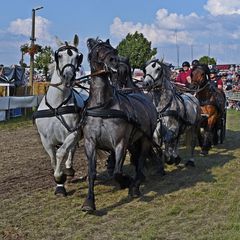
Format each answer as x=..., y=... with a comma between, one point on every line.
x=200, y=203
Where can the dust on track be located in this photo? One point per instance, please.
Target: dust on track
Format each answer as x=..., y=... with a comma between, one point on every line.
x=25, y=166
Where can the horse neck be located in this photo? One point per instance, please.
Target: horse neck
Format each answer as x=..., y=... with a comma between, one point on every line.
x=57, y=94
x=130, y=83
x=101, y=92
x=162, y=95
x=206, y=93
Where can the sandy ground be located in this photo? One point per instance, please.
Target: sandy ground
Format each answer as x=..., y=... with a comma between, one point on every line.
x=24, y=164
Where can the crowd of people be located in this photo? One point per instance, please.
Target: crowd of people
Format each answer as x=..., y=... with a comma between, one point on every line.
x=226, y=80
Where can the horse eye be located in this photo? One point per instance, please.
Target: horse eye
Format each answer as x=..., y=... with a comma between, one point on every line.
x=60, y=55
x=111, y=59
x=154, y=65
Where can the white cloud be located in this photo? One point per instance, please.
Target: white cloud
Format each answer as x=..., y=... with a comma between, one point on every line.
x=24, y=27
x=193, y=32
x=154, y=32
x=223, y=7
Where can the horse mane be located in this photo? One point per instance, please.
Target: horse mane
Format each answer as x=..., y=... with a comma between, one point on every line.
x=165, y=75
x=51, y=68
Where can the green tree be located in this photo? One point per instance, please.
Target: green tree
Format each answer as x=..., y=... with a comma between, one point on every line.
x=137, y=48
x=207, y=60
x=43, y=59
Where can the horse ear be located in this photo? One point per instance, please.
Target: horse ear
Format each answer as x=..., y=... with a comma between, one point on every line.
x=58, y=41
x=90, y=43
x=108, y=41
x=75, y=40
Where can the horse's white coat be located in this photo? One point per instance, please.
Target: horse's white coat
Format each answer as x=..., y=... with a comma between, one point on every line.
x=52, y=131
x=187, y=107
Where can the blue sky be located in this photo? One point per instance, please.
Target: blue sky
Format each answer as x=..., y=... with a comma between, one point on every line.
x=198, y=27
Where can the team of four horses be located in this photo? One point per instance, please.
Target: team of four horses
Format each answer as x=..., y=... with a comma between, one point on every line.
x=117, y=116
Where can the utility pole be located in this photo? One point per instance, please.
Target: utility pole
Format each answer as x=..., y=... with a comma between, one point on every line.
x=177, y=48
x=33, y=39
x=208, y=53
x=192, y=52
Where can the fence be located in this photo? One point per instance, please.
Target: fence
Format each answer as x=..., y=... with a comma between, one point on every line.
x=233, y=96
x=7, y=104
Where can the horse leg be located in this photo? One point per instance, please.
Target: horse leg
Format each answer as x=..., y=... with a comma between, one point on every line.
x=59, y=176
x=157, y=157
x=69, y=171
x=171, y=152
x=191, y=139
x=51, y=151
x=89, y=203
x=208, y=134
x=124, y=180
x=143, y=147
x=110, y=164
x=215, y=135
x=207, y=142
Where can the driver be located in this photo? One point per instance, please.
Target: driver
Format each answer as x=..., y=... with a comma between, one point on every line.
x=215, y=80
x=184, y=77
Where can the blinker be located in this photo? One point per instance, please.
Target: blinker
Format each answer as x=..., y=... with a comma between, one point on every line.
x=69, y=52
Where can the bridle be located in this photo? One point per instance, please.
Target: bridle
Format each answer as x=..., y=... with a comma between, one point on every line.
x=203, y=84
x=154, y=61
x=60, y=72
x=94, y=54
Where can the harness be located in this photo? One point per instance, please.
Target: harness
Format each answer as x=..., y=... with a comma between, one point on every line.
x=70, y=50
x=61, y=110
x=102, y=112
x=166, y=111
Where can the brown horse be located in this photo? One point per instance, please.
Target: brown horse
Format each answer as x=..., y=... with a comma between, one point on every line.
x=212, y=101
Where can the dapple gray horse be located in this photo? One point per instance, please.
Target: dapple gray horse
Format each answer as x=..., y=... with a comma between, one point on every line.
x=58, y=115
x=177, y=113
x=114, y=122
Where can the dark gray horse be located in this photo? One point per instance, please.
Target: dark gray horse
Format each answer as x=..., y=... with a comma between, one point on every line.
x=115, y=122
x=177, y=113
x=122, y=78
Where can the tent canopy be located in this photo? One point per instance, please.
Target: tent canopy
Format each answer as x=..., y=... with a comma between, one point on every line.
x=14, y=74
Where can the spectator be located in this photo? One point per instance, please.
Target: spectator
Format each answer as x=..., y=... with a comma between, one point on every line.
x=216, y=81
x=195, y=63
x=184, y=77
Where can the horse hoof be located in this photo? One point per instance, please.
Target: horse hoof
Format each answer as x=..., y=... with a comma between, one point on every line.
x=204, y=152
x=161, y=172
x=123, y=180
x=110, y=172
x=177, y=160
x=88, y=206
x=134, y=192
x=171, y=161
x=70, y=172
x=190, y=164
x=60, y=191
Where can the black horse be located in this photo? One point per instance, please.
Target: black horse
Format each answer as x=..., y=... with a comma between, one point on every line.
x=115, y=122
x=122, y=78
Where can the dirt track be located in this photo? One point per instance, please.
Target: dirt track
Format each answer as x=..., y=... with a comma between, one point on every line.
x=24, y=165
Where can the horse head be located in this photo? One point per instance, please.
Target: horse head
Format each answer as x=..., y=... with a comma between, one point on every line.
x=198, y=77
x=67, y=60
x=123, y=77
x=102, y=56
x=155, y=73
